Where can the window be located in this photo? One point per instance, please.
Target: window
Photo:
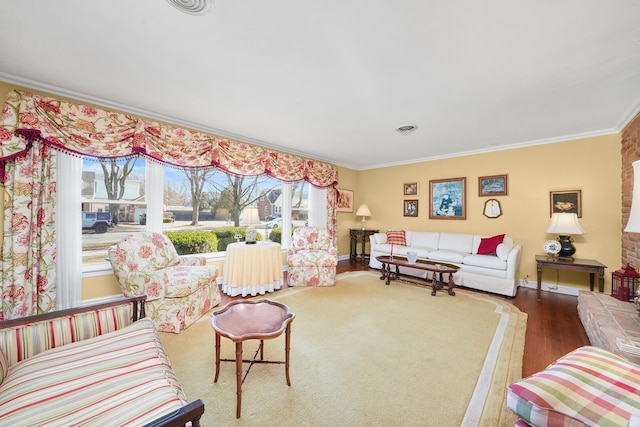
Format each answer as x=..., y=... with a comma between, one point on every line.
x=163, y=207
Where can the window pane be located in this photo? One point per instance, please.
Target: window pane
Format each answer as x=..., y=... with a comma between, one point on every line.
x=211, y=199
x=299, y=204
x=113, y=204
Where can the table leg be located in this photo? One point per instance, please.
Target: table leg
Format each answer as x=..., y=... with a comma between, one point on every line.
x=287, y=342
x=539, y=268
x=591, y=280
x=238, y=378
x=354, y=249
x=601, y=281
x=452, y=285
x=384, y=271
x=261, y=349
x=364, y=241
x=217, y=357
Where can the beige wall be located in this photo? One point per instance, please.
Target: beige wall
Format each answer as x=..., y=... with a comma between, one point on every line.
x=591, y=165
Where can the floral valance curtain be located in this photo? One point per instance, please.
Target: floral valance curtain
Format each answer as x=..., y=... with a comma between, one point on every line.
x=96, y=132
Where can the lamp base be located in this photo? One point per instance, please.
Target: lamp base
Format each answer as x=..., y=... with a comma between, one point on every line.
x=566, y=248
x=363, y=223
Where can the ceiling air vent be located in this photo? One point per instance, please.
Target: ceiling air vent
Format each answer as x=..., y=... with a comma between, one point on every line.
x=193, y=7
x=406, y=130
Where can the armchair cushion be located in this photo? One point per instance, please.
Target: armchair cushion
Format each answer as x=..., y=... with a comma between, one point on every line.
x=179, y=289
x=589, y=386
x=311, y=258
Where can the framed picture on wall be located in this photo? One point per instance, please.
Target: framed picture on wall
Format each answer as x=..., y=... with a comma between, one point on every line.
x=410, y=208
x=569, y=201
x=410, y=189
x=494, y=185
x=447, y=198
x=345, y=201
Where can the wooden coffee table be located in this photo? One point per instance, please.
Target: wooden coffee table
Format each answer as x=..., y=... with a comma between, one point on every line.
x=242, y=320
x=439, y=269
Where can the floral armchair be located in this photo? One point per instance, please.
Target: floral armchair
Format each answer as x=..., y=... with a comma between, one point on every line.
x=179, y=289
x=312, y=258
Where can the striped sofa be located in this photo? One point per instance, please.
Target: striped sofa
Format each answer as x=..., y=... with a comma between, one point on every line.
x=589, y=386
x=92, y=366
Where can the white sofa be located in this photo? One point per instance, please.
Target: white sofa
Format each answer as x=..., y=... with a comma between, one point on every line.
x=494, y=273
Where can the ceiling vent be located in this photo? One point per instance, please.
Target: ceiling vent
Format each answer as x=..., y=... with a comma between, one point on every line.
x=192, y=7
x=406, y=130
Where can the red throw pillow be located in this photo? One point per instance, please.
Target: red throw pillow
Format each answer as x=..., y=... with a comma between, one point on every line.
x=396, y=237
x=488, y=245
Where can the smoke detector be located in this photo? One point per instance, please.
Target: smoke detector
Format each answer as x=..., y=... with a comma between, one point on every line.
x=406, y=130
x=192, y=7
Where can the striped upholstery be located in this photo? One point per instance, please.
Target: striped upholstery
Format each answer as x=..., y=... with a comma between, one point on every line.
x=121, y=378
x=21, y=342
x=397, y=237
x=4, y=366
x=589, y=386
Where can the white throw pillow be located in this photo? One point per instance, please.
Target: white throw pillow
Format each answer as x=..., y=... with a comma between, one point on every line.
x=503, y=250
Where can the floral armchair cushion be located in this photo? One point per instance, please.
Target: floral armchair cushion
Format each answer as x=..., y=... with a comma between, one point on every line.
x=311, y=239
x=148, y=264
x=311, y=258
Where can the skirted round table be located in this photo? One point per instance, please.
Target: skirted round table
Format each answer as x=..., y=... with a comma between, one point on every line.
x=252, y=269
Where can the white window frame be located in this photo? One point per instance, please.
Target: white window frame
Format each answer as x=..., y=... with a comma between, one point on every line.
x=70, y=270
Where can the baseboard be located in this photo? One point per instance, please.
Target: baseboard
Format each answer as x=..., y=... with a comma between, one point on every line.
x=558, y=289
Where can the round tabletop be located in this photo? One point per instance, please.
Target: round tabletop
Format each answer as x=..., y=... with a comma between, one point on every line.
x=242, y=320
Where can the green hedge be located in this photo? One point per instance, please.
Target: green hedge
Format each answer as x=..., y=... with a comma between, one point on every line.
x=197, y=242
x=193, y=241
x=276, y=235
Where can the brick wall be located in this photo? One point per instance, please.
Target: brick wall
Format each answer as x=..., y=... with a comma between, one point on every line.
x=630, y=153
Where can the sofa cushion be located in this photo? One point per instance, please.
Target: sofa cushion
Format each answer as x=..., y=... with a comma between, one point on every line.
x=396, y=237
x=121, y=378
x=447, y=256
x=503, y=249
x=488, y=245
x=486, y=261
x=589, y=386
x=424, y=239
x=456, y=242
x=379, y=238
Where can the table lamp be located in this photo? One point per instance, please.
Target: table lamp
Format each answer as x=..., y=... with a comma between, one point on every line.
x=364, y=212
x=565, y=224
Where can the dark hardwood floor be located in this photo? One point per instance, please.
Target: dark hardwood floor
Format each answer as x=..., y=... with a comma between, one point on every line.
x=553, y=326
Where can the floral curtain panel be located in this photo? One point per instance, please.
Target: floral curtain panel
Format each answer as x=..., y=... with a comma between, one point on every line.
x=32, y=125
x=97, y=132
x=27, y=267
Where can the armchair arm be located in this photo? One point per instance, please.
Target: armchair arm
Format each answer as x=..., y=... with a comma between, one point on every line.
x=138, y=283
x=192, y=260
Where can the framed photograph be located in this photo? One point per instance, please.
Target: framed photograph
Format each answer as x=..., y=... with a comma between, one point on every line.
x=345, y=201
x=410, y=208
x=494, y=185
x=447, y=198
x=569, y=201
x=410, y=189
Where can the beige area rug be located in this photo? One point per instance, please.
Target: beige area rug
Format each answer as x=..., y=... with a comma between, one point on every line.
x=366, y=354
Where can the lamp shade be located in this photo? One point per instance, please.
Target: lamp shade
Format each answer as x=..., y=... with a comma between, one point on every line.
x=565, y=224
x=363, y=210
x=633, y=224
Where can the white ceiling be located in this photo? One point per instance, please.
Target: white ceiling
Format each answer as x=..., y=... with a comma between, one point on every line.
x=333, y=79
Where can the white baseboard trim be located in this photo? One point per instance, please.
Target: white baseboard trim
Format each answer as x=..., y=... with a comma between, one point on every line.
x=558, y=289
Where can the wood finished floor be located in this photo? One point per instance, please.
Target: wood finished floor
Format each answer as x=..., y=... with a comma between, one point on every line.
x=553, y=326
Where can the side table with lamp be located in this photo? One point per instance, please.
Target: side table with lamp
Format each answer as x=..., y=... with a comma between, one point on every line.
x=361, y=233
x=559, y=254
